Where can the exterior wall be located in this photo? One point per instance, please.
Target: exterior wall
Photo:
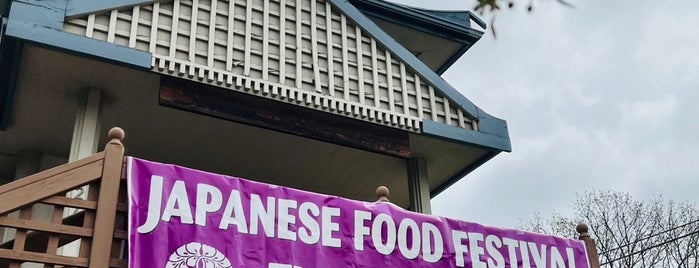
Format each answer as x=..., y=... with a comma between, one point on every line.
x=302, y=52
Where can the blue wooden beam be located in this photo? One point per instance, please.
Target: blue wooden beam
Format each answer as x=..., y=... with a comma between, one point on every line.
x=81, y=7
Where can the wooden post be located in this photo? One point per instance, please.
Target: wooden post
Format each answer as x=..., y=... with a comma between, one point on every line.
x=107, y=202
x=589, y=244
x=382, y=194
x=419, y=186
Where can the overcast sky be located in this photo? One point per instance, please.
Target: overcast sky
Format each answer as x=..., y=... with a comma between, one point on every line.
x=601, y=96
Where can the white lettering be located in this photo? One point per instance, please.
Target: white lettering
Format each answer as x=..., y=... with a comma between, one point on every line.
x=377, y=234
x=154, y=205
x=459, y=248
x=178, y=204
x=524, y=252
x=556, y=259
x=492, y=246
x=405, y=225
x=511, y=246
x=285, y=219
x=430, y=233
x=310, y=234
x=571, y=257
x=476, y=250
x=234, y=214
x=360, y=230
x=329, y=227
x=258, y=214
x=539, y=256
x=204, y=206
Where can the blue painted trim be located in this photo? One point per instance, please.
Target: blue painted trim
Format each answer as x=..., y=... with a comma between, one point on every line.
x=450, y=25
x=489, y=141
x=456, y=22
x=414, y=63
x=492, y=131
x=48, y=13
x=41, y=22
x=461, y=174
x=10, y=53
x=79, y=44
x=82, y=7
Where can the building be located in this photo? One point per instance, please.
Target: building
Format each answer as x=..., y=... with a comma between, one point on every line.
x=328, y=96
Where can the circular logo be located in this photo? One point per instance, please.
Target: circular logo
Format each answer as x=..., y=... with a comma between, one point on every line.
x=197, y=255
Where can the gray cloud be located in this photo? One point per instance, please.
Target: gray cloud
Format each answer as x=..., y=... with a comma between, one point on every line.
x=601, y=96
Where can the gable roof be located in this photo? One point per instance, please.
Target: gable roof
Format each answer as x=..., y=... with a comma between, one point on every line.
x=488, y=131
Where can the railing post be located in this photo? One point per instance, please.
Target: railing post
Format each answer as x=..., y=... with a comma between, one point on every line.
x=382, y=194
x=100, y=253
x=589, y=244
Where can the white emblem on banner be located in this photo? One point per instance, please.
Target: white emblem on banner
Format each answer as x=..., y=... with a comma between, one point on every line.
x=197, y=255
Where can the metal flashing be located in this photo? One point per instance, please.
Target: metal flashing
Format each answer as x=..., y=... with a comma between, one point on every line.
x=82, y=7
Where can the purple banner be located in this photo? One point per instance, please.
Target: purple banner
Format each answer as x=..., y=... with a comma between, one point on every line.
x=181, y=217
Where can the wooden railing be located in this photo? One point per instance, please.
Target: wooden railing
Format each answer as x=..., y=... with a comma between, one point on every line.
x=99, y=223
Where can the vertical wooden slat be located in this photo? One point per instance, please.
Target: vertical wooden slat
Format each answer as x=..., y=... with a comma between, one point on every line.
x=173, y=34
x=212, y=36
x=133, y=34
x=299, y=46
x=360, y=63
x=404, y=89
x=21, y=234
x=265, y=40
x=230, y=35
x=345, y=58
x=447, y=112
x=89, y=220
x=460, y=113
x=314, y=50
x=389, y=80
x=418, y=96
x=282, y=42
x=154, y=28
x=329, y=43
x=112, y=26
x=52, y=245
x=90, y=29
x=375, y=73
x=107, y=202
x=433, y=106
x=248, y=36
x=118, y=244
x=193, y=31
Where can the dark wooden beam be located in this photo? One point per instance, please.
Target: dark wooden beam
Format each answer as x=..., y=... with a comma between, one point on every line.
x=288, y=118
